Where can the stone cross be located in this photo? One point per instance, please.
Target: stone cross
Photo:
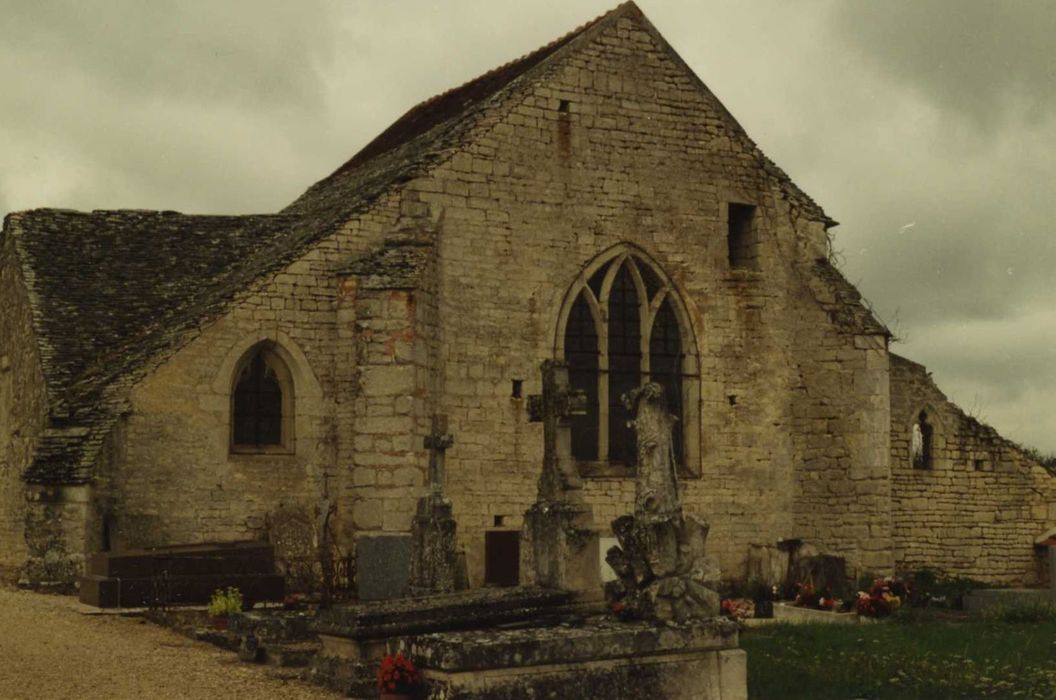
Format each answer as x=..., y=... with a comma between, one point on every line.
x=554, y=408
x=437, y=442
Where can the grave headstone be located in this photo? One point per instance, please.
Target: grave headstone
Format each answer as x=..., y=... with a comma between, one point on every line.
x=383, y=566
x=435, y=563
x=559, y=543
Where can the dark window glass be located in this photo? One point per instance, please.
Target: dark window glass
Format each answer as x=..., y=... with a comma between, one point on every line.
x=596, y=281
x=625, y=358
x=652, y=282
x=665, y=365
x=258, y=405
x=581, y=353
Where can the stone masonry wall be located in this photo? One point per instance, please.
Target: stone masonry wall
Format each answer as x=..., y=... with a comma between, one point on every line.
x=22, y=407
x=977, y=511
x=620, y=145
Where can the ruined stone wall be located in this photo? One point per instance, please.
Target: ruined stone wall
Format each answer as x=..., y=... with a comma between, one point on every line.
x=979, y=507
x=173, y=477
x=22, y=408
x=619, y=145
x=841, y=417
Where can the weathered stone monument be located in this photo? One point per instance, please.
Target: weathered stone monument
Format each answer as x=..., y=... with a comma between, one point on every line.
x=559, y=542
x=541, y=640
x=662, y=571
x=435, y=563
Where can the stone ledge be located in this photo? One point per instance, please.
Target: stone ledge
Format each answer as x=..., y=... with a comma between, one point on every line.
x=449, y=612
x=539, y=646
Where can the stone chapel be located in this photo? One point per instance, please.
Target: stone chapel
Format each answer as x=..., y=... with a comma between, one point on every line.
x=168, y=378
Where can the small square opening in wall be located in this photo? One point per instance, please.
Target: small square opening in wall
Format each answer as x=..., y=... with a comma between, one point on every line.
x=517, y=389
x=742, y=236
x=499, y=520
x=563, y=106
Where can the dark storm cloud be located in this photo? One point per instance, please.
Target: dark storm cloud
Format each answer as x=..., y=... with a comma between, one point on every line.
x=123, y=103
x=262, y=55
x=982, y=60
x=926, y=128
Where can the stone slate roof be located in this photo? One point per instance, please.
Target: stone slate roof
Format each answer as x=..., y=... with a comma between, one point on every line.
x=114, y=291
x=109, y=290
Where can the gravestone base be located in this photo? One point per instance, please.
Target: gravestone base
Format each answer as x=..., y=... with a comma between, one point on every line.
x=560, y=548
x=435, y=564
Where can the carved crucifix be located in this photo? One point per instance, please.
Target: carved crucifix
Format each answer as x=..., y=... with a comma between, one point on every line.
x=437, y=442
x=554, y=409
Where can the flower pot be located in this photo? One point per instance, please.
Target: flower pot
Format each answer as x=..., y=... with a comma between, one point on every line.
x=219, y=622
x=395, y=696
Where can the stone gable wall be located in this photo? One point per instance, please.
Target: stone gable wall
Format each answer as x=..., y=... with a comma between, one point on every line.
x=22, y=408
x=977, y=511
x=619, y=145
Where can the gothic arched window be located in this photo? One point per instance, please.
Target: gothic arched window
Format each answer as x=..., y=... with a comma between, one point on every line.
x=625, y=327
x=262, y=403
x=921, y=447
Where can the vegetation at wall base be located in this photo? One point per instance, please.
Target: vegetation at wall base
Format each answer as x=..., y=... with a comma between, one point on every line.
x=933, y=655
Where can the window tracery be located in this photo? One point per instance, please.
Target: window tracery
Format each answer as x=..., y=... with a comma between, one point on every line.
x=626, y=326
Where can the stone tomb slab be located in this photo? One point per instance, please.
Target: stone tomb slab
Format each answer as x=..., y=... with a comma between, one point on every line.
x=383, y=566
x=448, y=612
x=603, y=658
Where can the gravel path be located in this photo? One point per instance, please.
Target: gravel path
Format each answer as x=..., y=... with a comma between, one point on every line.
x=50, y=649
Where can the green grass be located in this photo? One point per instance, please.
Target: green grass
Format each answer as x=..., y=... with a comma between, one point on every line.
x=924, y=657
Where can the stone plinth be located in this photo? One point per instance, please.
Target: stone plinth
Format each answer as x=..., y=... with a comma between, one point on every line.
x=435, y=564
x=560, y=548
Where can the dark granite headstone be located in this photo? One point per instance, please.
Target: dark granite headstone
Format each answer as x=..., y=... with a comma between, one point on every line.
x=383, y=566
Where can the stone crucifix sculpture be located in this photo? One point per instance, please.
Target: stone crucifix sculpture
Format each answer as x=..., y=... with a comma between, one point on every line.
x=554, y=408
x=435, y=563
x=437, y=442
x=559, y=545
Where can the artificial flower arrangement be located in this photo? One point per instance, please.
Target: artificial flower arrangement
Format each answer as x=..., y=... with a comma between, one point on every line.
x=884, y=597
x=738, y=608
x=397, y=675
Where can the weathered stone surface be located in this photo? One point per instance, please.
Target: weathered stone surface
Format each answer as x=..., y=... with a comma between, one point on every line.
x=383, y=566
x=435, y=564
x=662, y=570
x=454, y=611
x=564, y=644
x=559, y=543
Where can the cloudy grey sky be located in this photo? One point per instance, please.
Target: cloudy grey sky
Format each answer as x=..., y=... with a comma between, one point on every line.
x=926, y=127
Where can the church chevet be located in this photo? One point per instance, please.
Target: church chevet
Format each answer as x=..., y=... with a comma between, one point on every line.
x=468, y=312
